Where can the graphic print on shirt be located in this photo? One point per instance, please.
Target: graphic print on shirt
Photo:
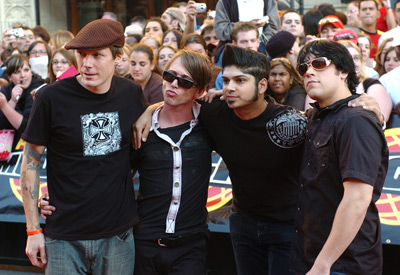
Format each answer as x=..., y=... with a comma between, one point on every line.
x=101, y=133
x=287, y=129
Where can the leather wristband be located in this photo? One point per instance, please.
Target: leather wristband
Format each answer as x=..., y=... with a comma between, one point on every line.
x=34, y=232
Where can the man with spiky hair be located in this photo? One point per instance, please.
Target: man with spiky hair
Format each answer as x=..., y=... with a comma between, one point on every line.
x=343, y=170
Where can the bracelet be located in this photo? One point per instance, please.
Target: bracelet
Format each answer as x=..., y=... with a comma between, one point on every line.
x=34, y=232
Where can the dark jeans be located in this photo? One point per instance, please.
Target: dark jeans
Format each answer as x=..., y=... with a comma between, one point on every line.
x=188, y=258
x=260, y=247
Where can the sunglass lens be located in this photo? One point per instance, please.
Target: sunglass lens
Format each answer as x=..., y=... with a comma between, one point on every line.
x=302, y=69
x=184, y=83
x=319, y=63
x=167, y=76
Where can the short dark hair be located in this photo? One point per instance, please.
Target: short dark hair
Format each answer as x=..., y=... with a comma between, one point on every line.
x=194, y=38
x=376, y=4
x=242, y=27
x=15, y=62
x=310, y=21
x=115, y=51
x=248, y=61
x=289, y=11
x=337, y=53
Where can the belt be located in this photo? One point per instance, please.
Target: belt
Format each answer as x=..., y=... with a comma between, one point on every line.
x=180, y=240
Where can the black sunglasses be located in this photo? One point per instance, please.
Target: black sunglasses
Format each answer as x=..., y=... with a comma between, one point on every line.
x=317, y=64
x=182, y=82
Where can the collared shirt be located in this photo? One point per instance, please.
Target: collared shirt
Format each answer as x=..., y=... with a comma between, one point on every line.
x=341, y=143
x=174, y=166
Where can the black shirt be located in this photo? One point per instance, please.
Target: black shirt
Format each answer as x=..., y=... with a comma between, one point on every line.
x=88, y=138
x=262, y=155
x=161, y=174
x=341, y=143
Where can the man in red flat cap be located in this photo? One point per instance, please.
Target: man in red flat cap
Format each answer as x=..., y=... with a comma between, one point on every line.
x=86, y=124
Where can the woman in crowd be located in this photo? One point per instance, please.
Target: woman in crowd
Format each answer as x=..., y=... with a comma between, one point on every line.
x=122, y=68
x=15, y=99
x=367, y=85
x=364, y=44
x=391, y=61
x=153, y=41
x=172, y=37
x=380, y=55
x=60, y=38
x=164, y=54
x=39, y=54
x=155, y=26
x=285, y=84
x=61, y=60
x=142, y=64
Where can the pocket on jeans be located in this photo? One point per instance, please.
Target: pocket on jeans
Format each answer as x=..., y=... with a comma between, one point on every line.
x=125, y=236
x=48, y=240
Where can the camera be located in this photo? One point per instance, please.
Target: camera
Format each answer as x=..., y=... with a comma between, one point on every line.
x=201, y=7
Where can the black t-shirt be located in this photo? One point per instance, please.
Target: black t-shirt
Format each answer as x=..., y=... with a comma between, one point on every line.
x=154, y=162
x=341, y=143
x=262, y=155
x=88, y=139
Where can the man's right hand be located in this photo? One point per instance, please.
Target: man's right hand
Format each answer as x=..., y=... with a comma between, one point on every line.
x=35, y=245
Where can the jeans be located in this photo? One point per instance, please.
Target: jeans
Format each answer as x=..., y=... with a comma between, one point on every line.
x=260, y=247
x=113, y=255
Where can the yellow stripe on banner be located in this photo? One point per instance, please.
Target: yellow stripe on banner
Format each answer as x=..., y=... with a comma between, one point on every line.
x=384, y=217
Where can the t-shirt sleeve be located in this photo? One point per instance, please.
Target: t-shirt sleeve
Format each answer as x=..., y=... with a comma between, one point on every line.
x=361, y=147
x=38, y=126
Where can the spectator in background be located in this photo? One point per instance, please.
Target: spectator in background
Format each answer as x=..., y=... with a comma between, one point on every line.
x=245, y=35
x=230, y=12
x=326, y=9
x=283, y=44
x=364, y=43
x=182, y=6
x=311, y=23
x=172, y=37
x=390, y=60
x=142, y=71
x=369, y=13
x=174, y=18
x=328, y=26
x=39, y=56
x=196, y=42
x=380, y=55
x=155, y=26
x=352, y=13
x=209, y=35
x=153, y=41
x=397, y=12
x=15, y=98
x=122, y=68
x=61, y=60
x=41, y=34
x=60, y=38
x=291, y=22
x=370, y=86
x=23, y=42
x=133, y=34
x=285, y=84
x=386, y=20
x=164, y=54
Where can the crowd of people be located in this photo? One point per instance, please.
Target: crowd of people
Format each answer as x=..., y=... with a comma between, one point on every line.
x=264, y=86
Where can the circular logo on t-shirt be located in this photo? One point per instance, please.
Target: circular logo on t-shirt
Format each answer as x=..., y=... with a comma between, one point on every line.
x=287, y=129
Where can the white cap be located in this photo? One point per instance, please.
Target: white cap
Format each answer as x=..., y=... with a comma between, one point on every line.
x=396, y=37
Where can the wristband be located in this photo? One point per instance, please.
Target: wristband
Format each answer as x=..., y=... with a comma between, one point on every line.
x=34, y=232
